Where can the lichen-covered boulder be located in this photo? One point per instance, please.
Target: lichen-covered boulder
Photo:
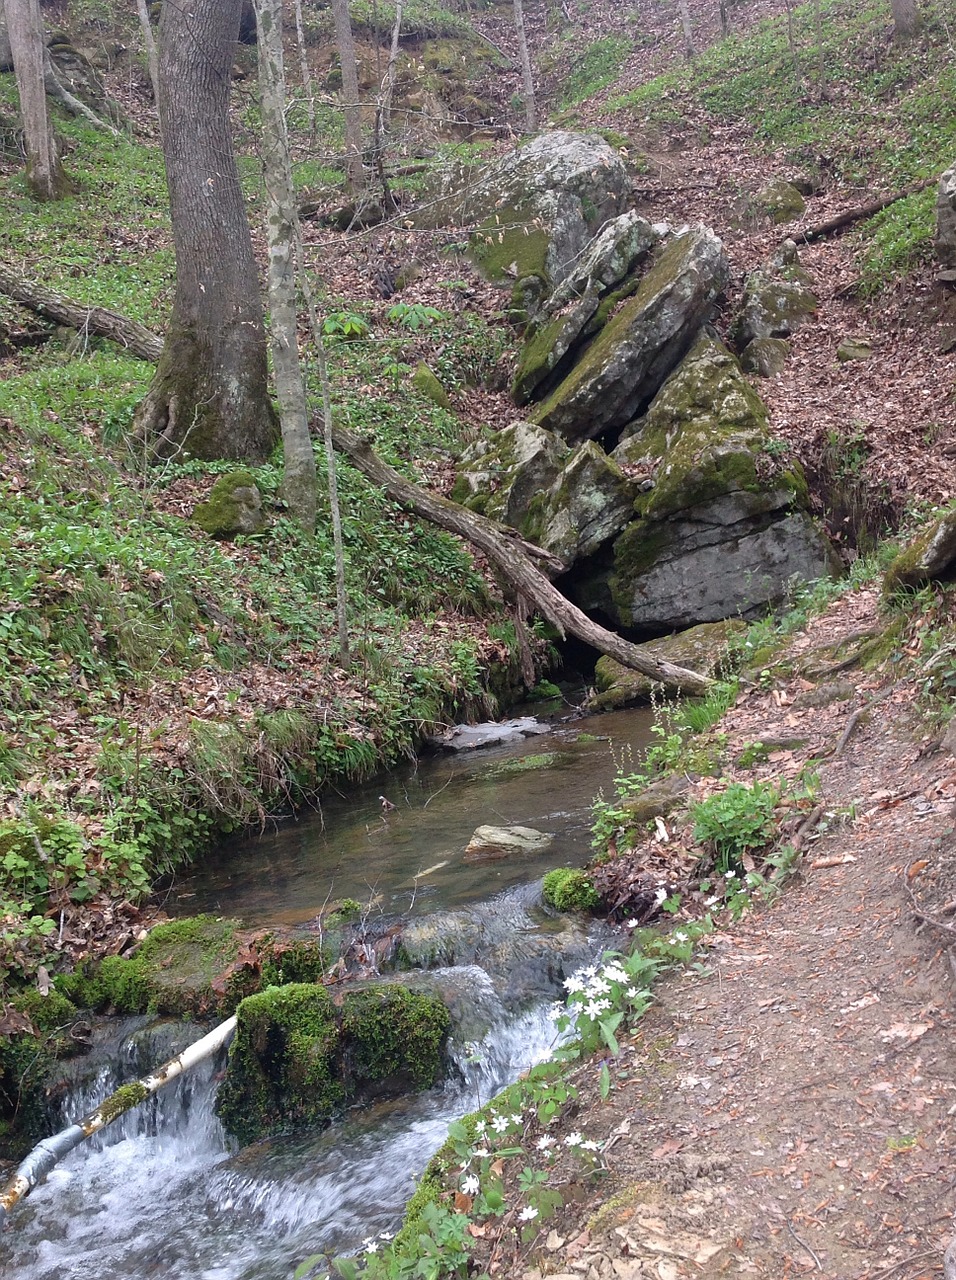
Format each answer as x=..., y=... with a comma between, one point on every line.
x=298, y=1056
x=428, y=383
x=766, y=357
x=504, y=475
x=723, y=530
x=946, y=219
x=780, y=200
x=234, y=506
x=703, y=648
x=931, y=557
x=777, y=299
x=535, y=209
x=570, y=502
x=493, y=844
x=640, y=345
x=579, y=307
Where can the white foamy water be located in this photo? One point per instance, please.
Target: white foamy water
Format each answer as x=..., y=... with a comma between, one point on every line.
x=161, y=1194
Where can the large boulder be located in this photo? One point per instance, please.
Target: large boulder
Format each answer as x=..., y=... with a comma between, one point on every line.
x=704, y=649
x=946, y=219
x=298, y=1057
x=780, y=200
x=578, y=308
x=931, y=557
x=639, y=346
x=723, y=531
x=535, y=210
x=570, y=502
x=777, y=299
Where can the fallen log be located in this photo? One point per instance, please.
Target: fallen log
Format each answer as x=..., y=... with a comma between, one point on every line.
x=99, y=321
x=824, y=229
x=51, y=1150
x=513, y=558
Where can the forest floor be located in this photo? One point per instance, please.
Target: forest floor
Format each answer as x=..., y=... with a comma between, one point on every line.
x=788, y=1110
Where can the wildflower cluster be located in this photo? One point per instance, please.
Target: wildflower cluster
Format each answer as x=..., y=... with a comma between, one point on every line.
x=601, y=996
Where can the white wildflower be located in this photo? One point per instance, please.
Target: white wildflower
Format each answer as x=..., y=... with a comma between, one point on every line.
x=680, y=936
x=470, y=1184
x=574, y=1140
x=631, y=924
x=544, y=1142
x=499, y=1124
x=527, y=1214
x=574, y=983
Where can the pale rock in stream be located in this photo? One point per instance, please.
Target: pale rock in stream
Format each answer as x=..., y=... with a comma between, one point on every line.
x=490, y=844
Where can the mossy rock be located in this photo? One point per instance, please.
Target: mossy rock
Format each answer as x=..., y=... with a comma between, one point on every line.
x=426, y=382
x=570, y=889
x=298, y=1057
x=702, y=649
x=780, y=201
x=234, y=506
x=765, y=357
x=930, y=557
x=171, y=972
x=657, y=800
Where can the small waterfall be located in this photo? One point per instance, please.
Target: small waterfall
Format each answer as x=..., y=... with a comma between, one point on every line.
x=160, y=1193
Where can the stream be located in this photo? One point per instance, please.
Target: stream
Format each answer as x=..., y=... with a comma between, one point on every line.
x=163, y=1192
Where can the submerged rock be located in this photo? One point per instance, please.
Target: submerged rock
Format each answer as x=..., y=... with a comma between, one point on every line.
x=470, y=737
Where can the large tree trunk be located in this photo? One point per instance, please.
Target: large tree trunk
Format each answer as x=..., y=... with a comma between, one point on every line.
x=354, y=169
x=905, y=18
x=45, y=176
x=512, y=557
x=527, y=79
x=298, y=482
x=209, y=398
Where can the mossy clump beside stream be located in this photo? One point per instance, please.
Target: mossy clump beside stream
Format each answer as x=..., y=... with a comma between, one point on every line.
x=298, y=1057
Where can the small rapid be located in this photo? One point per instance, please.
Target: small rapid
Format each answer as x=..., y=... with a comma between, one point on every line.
x=161, y=1193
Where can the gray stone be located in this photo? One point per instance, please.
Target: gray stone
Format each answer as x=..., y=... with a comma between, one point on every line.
x=722, y=530
x=931, y=557
x=471, y=737
x=565, y=316
x=492, y=844
x=946, y=218
x=765, y=357
x=234, y=506
x=569, y=502
x=780, y=200
x=854, y=349
x=773, y=306
x=638, y=348
x=702, y=649
x=535, y=209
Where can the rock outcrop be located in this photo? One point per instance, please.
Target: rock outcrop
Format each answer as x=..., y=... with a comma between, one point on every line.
x=724, y=528
x=639, y=345
x=929, y=558
x=702, y=648
x=946, y=219
x=777, y=299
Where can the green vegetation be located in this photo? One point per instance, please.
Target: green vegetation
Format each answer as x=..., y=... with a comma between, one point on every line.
x=569, y=889
x=884, y=122
x=598, y=66
x=297, y=1057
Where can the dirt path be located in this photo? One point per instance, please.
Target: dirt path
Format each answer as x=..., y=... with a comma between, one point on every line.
x=790, y=1112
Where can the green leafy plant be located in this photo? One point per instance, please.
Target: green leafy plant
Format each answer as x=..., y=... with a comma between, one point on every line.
x=735, y=823
x=414, y=315
x=345, y=325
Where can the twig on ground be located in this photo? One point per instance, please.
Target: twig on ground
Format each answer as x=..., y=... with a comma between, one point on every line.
x=803, y=1245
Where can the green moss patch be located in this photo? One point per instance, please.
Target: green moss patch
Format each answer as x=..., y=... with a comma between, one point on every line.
x=568, y=889
x=298, y=1058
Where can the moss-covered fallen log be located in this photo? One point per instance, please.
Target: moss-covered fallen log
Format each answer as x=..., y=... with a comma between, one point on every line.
x=512, y=556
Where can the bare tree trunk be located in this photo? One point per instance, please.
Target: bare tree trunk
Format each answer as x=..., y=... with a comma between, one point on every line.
x=513, y=558
x=354, y=171
x=298, y=480
x=152, y=56
x=209, y=398
x=388, y=90
x=905, y=18
x=792, y=42
x=724, y=14
x=527, y=80
x=304, y=68
x=821, y=60
x=45, y=176
x=683, y=8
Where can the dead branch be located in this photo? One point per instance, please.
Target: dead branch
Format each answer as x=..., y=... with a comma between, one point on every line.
x=823, y=229
x=510, y=556
x=53, y=306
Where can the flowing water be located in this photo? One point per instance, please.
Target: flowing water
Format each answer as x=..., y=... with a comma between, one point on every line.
x=163, y=1193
